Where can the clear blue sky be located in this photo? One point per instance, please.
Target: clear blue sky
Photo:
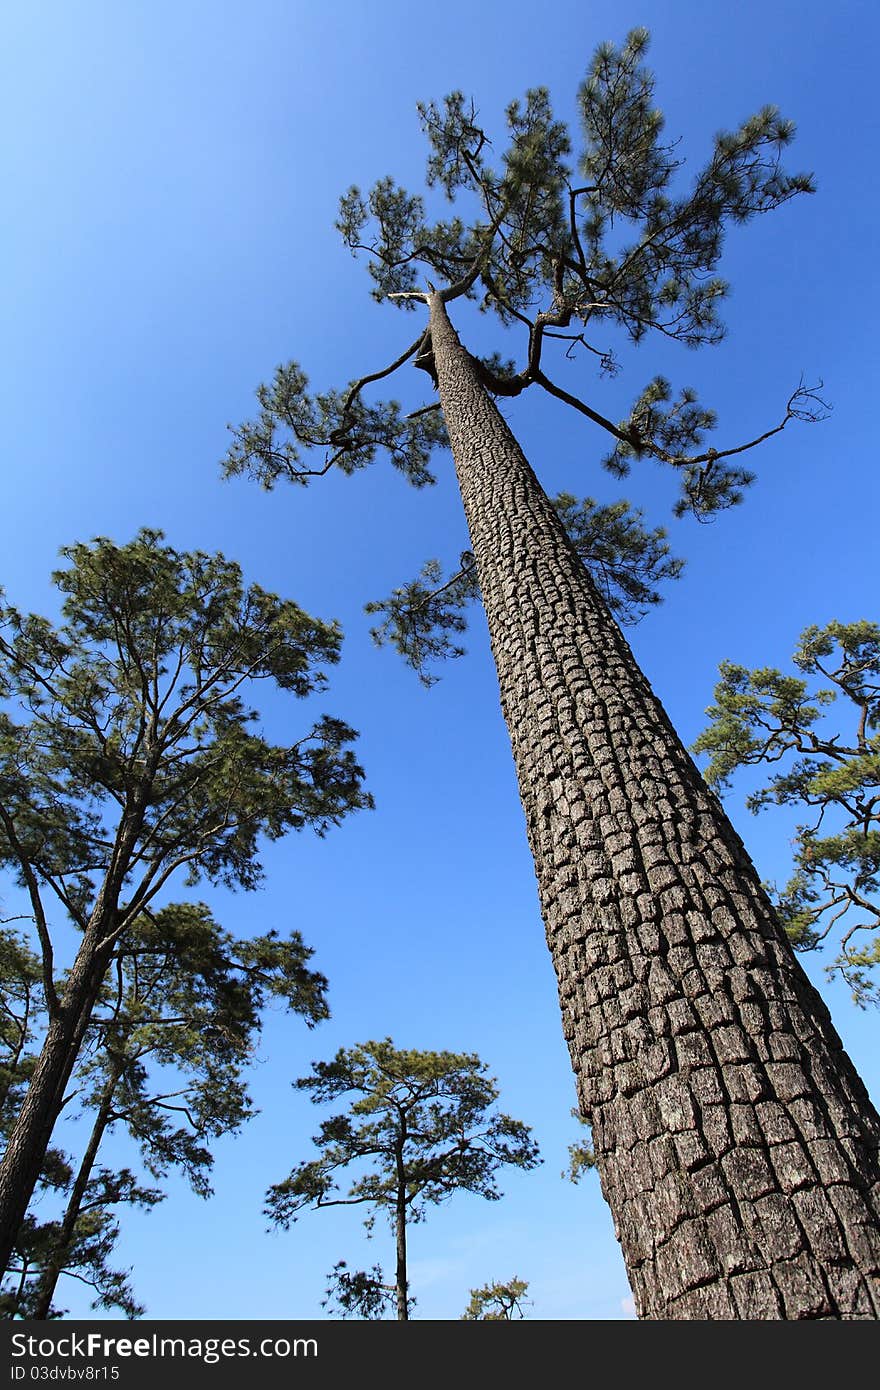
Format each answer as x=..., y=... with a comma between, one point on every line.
x=170, y=176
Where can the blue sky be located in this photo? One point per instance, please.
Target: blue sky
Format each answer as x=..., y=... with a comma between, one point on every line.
x=171, y=174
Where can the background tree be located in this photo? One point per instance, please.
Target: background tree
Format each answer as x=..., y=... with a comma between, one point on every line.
x=683, y=1005
x=831, y=765
x=165, y=1056
x=420, y=1127
x=497, y=1302
x=127, y=753
x=21, y=1007
x=22, y=1010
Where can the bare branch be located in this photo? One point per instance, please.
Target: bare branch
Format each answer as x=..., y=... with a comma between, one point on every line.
x=543, y=380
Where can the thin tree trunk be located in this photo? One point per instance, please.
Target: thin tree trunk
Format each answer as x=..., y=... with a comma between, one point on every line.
x=22, y=1283
x=737, y=1146
x=52, y=1271
x=401, y=1282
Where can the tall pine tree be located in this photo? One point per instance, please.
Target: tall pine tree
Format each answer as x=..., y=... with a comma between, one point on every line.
x=735, y=1143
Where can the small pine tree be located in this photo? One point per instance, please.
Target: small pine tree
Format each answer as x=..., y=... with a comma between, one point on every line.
x=497, y=1302
x=419, y=1127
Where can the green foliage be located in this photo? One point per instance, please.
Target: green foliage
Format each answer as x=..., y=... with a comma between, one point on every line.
x=86, y=1251
x=627, y=247
x=672, y=430
x=765, y=717
x=165, y=1056
x=622, y=128
x=20, y=1008
x=420, y=616
x=360, y=1293
x=497, y=1302
x=347, y=431
x=664, y=276
x=129, y=752
x=581, y=1156
x=525, y=195
x=437, y=1105
x=127, y=723
x=417, y=1128
x=22, y=1013
x=178, y=1024
x=625, y=560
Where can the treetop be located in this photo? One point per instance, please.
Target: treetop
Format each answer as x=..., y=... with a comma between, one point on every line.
x=130, y=718
x=424, y=1119
x=560, y=243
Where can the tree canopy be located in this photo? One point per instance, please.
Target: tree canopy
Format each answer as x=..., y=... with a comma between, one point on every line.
x=130, y=717
x=577, y=246
x=500, y=1301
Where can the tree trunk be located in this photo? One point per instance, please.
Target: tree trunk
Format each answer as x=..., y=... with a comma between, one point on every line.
x=53, y=1269
x=737, y=1146
x=401, y=1281
x=31, y=1132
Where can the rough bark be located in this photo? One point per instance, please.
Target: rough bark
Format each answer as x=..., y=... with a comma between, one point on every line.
x=737, y=1146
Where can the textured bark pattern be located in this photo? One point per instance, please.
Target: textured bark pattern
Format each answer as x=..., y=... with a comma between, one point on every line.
x=737, y=1146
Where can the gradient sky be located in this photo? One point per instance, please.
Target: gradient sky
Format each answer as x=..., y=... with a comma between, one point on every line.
x=171, y=173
